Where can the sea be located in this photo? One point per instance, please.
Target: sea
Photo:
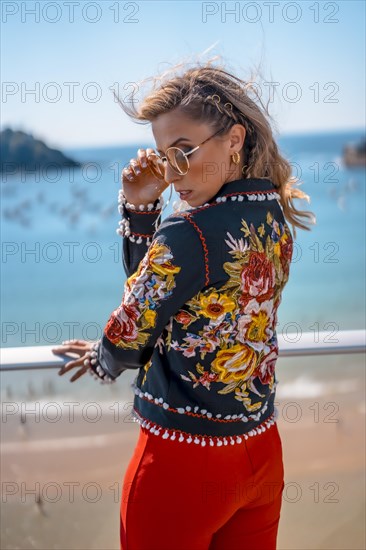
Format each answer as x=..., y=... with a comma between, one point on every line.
x=61, y=264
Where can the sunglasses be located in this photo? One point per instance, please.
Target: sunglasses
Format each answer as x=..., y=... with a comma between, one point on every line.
x=176, y=158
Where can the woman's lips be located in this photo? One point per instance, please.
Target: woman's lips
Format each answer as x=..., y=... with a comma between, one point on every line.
x=184, y=194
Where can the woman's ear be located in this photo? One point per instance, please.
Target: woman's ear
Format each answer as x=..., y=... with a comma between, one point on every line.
x=237, y=137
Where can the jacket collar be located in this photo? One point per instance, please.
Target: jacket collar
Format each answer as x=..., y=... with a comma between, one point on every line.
x=242, y=185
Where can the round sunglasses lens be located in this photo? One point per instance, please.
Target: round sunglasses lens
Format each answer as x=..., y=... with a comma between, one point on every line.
x=156, y=166
x=177, y=160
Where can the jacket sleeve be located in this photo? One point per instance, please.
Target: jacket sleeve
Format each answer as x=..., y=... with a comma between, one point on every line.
x=137, y=236
x=172, y=271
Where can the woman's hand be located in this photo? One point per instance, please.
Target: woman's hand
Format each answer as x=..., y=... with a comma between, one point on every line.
x=139, y=184
x=80, y=347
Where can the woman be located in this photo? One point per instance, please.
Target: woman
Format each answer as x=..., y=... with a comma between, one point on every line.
x=198, y=319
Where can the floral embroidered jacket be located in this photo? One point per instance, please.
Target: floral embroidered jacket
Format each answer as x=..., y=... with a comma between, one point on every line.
x=199, y=312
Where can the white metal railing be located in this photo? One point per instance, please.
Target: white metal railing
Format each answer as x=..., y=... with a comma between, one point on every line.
x=291, y=345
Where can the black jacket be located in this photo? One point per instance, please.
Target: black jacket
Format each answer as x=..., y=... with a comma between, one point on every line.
x=199, y=312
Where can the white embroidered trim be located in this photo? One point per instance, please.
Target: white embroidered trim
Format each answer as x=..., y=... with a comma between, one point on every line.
x=203, y=440
x=250, y=197
x=94, y=367
x=197, y=410
x=142, y=208
x=124, y=231
x=124, y=225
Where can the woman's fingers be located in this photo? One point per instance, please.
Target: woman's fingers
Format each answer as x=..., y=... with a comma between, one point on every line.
x=141, y=153
x=128, y=174
x=79, y=373
x=64, y=350
x=70, y=365
x=142, y=180
x=73, y=346
x=135, y=167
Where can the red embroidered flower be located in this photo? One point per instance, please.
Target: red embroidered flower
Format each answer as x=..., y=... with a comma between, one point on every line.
x=266, y=369
x=258, y=279
x=184, y=318
x=122, y=325
x=205, y=379
x=286, y=254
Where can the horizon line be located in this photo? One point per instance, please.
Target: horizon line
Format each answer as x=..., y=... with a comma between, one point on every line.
x=283, y=134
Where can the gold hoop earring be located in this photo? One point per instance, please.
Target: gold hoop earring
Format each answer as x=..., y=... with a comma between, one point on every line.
x=235, y=157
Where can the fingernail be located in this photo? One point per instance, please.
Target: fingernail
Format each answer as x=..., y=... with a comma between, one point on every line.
x=144, y=163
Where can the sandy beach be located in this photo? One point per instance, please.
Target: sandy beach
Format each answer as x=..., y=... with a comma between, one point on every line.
x=78, y=467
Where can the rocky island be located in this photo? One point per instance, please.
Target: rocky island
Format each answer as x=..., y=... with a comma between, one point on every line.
x=20, y=151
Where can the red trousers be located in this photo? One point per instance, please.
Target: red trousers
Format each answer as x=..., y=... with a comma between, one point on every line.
x=180, y=496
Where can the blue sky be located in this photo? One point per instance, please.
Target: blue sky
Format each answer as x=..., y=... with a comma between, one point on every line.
x=318, y=46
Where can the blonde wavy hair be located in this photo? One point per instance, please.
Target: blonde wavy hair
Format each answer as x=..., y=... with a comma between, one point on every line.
x=189, y=92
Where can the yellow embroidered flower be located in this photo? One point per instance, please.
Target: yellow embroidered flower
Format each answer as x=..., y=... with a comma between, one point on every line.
x=159, y=260
x=235, y=363
x=277, y=248
x=215, y=305
x=257, y=328
x=150, y=316
x=242, y=395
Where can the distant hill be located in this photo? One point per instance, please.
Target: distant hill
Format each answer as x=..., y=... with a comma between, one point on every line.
x=21, y=151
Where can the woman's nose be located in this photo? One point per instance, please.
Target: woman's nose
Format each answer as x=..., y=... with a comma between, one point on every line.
x=170, y=175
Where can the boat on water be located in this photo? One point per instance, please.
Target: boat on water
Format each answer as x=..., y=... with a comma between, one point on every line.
x=354, y=154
